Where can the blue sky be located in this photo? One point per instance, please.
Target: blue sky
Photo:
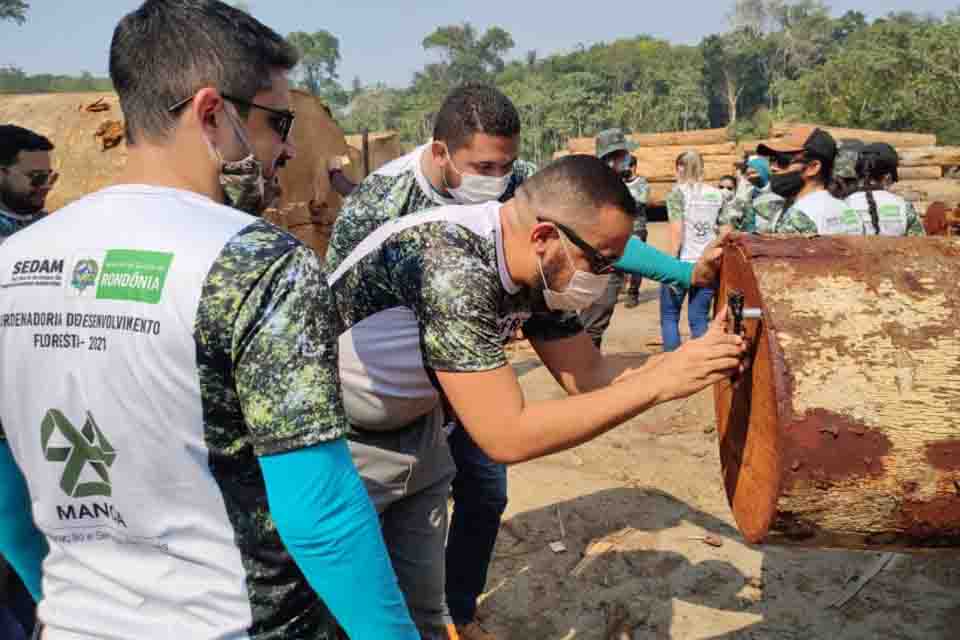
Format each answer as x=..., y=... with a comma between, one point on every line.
x=380, y=41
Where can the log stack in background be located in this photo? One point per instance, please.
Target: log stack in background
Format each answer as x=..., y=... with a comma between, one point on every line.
x=925, y=174
x=845, y=433
x=87, y=131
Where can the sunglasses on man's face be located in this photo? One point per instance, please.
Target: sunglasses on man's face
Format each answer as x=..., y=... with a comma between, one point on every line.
x=280, y=120
x=787, y=160
x=599, y=264
x=40, y=178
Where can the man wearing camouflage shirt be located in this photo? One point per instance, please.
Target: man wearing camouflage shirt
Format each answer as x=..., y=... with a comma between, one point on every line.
x=171, y=406
x=802, y=169
x=471, y=159
x=429, y=302
x=844, y=180
x=613, y=148
x=26, y=178
x=755, y=207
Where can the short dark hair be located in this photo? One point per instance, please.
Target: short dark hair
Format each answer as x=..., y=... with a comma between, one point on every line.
x=578, y=182
x=472, y=109
x=14, y=139
x=167, y=50
x=730, y=178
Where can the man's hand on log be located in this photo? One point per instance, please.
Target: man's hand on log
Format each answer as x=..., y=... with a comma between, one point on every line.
x=699, y=363
x=706, y=272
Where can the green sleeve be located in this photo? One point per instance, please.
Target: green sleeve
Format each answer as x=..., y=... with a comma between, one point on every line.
x=796, y=221
x=675, y=205
x=914, y=226
x=641, y=259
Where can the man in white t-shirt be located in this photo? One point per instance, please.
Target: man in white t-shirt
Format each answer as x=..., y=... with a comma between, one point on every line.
x=171, y=423
x=802, y=166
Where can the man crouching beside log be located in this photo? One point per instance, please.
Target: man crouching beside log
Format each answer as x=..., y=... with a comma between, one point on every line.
x=428, y=303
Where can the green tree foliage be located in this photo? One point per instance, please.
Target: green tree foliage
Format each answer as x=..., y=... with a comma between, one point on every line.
x=14, y=80
x=467, y=55
x=319, y=58
x=15, y=10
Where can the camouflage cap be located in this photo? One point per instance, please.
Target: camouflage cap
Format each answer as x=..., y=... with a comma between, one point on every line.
x=613, y=140
x=846, y=164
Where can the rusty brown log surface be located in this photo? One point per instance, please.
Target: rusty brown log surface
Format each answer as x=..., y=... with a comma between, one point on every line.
x=845, y=433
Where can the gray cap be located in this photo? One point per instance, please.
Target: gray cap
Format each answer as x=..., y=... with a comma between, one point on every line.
x=613, y=140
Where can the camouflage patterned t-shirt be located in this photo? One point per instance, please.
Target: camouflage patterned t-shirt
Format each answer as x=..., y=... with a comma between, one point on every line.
x=427, y=293
x=395, y=190
x=155, y=344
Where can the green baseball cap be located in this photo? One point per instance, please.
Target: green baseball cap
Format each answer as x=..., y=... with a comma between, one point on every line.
x=845, y=165
x=613, y=140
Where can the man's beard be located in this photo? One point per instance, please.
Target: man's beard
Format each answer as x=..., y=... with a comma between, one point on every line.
x=22, y=204
x=551, y=269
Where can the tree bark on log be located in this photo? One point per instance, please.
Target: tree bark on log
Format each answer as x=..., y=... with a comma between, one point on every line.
x=845, y=433
x=897, y=139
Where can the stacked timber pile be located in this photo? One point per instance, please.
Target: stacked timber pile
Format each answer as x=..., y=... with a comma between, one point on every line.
x=926, y=169
x=87, y=129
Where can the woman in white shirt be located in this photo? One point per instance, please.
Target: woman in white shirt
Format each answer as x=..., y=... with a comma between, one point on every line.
x=881, y=212
x=693, y=209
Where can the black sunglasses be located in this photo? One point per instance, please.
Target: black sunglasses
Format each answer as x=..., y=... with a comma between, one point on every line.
x=786, y=160
x=599, y=263
x=280, y=121
x=40, y=178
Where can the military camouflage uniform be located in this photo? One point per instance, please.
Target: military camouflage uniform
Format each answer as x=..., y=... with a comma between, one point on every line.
x=753, y=210
x=389, y=194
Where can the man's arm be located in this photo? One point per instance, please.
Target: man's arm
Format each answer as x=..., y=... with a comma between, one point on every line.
x=23, y=546
x=319, y=503
x=284, y=354
x=914, y=226
x=491, y=405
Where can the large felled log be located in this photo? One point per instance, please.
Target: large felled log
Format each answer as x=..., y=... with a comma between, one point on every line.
x=384, y=146
x=947, y=191
x=846, y=431
x=895, y=138
x=929, y=156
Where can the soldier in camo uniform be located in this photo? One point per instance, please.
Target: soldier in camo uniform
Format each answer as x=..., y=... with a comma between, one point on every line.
x=844, y=180
x=802, y=169
x=754, y=208
x=26, y=178
x=472, y=158
x=429, y=302
x=171, y=404
x=614, y=149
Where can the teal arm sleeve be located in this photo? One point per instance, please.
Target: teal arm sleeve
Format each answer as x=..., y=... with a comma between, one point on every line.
x=641, y=259
x=329, y=526
x=23, y=546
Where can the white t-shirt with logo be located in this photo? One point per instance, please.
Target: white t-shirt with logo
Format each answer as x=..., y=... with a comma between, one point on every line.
x=154, y=344
x=892, y=211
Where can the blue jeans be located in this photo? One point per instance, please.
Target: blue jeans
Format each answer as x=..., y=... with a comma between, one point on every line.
x=479, y=500
x=698, y=312
x=18, y=613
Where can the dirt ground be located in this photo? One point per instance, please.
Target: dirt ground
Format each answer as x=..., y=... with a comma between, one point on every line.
x=632, y=509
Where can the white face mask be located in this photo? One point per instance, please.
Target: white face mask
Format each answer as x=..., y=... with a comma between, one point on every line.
x=584, y=288
x=477, y=189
